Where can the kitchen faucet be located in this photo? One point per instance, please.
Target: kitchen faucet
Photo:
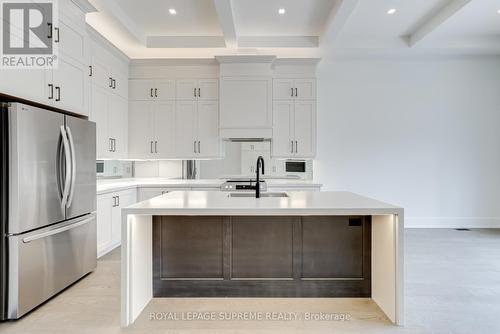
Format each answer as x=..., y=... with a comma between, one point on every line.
x=260, y=163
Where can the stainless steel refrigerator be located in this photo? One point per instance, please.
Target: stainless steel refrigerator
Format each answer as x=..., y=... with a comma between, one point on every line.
x=48, y=203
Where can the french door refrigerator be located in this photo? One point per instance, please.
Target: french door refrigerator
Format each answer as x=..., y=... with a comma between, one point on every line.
x=48, y=203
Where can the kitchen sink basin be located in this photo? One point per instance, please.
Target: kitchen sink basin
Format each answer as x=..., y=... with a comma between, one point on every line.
x=252, y=194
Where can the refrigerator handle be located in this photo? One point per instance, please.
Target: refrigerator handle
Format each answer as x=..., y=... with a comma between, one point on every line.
x=67, y=179
x=73, y=167
x=58, y=230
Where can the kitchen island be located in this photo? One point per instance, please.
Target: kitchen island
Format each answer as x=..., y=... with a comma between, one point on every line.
x=295, y=244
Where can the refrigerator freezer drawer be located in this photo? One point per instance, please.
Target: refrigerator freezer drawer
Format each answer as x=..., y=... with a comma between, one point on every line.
x=44, y=262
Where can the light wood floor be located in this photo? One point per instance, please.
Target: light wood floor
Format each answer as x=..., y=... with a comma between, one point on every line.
x=452, y=286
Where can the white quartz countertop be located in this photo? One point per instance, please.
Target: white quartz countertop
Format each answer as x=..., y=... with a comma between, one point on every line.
x=297, y=203
x=109, y=185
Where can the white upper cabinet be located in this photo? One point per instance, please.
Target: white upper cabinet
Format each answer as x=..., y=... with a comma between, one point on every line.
x=151, y=129
x=305, y=129
x=246, y=103
x=197, y=129
x=294, y=129
x=151, y=90
x=197, y=89
x=185, y=129
x=300, y=89
x=208, y=129
x=68, y=86
x=108, y=74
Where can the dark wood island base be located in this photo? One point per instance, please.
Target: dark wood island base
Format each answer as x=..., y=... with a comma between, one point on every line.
x=262, y=256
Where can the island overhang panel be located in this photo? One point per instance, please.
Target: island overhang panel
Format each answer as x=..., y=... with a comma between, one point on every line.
x=383, y=221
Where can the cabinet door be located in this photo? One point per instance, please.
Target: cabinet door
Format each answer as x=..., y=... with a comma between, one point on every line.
x=141, y=129
x=282, y=89
x=208, y=129
x=99, y=115
x=209, y=89
x=72, y=40
x=185, y=129
x=104, y=222
x=304, y=126
x=282, y=129
x=26, y=84
x=141, y=90
x=120, y=84
x=100, y=72
x=164, y=129
x=124, y=199
x=118, y=125
x=246, y=102
x=71, y=77
x=186, y=89
x=164, y=90
x=306, y=89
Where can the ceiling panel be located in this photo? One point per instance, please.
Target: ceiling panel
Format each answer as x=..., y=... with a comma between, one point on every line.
x=261, y=18
x=193, y=18
x=478, y=18
x=371, y=18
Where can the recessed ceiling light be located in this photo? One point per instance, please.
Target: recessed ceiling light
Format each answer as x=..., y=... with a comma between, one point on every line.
x=391, y=11
x=281, y=11
x=172, y=11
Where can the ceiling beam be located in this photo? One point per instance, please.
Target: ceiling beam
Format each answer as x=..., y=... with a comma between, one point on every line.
x=431, y=24
x=225, y=13
x=278, y=41
x=340, y=13
x=185, y=42
x=112, y=9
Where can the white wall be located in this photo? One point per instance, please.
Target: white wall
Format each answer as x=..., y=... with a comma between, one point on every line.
x=421, y=133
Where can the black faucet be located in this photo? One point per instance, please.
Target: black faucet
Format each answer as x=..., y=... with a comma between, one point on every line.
x=260, y=163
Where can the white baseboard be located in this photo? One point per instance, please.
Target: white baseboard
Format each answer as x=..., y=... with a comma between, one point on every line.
x=108, y=249
x=452, y=222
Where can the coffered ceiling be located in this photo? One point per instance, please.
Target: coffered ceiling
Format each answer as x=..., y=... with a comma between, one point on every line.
x=296, y=28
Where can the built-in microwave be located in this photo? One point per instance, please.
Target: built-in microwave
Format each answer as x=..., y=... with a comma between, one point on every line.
x=300, y=168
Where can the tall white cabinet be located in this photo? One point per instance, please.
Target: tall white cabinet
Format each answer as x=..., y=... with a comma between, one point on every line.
x=108, y=72
x=294, y=118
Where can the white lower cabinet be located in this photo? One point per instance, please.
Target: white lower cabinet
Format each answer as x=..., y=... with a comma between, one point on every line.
x=147, y=193
x=109, y=207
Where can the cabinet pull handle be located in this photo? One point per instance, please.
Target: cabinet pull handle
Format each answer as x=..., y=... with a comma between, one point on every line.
x=58, y=91
x=151, y=92
x=199, y=147
x=49, y=35
x=114, y=202
x=51, y=96
x=91, y=71
x=194, y=147
x=110, y=144
x=296, y=92
x=156, y=92
x=194, y=92
x=114, y=145
x=57, y=40
x=151, y=146
x=110, y=82
x=114, y=84
x=291, y=151
x=156, y=147
x=118, y=200
x=292, y=91
x=199, y=92
x=296, y=147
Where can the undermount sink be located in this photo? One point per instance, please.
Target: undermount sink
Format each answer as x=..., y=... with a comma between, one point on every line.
x=252, y=194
